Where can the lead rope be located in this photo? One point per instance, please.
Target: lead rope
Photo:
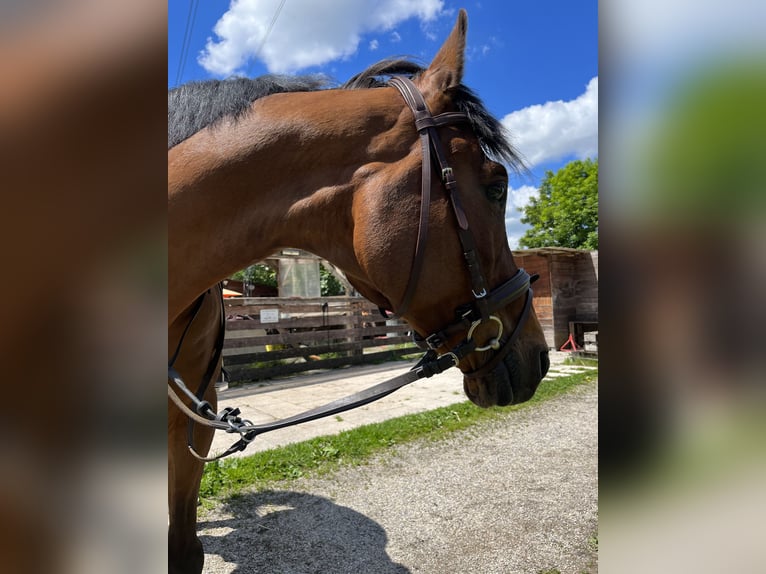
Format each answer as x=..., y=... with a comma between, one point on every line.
x=204, y=410
x=229, y=420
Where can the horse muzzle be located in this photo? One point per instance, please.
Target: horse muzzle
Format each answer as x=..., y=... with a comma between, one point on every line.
x=513, y=369
x=510, y=381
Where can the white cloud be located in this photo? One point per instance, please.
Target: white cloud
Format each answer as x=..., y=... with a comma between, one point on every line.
x=517, y=199
x=554, y=130
x=306, y=33
x=396, y=37
x=373, y=45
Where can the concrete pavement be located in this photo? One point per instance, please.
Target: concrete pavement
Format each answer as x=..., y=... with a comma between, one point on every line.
x=273, y=400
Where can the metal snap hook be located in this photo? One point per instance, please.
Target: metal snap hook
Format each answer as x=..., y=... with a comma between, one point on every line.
x=493, y=344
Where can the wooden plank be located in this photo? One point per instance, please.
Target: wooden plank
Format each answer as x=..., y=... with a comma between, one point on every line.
x=239, y=374
x=299, y=319
x=279, y=354
x=290, y=301
x=318, y=336
x=243, y=334
x=293, y=323
x=254, y=311
x=253, y=305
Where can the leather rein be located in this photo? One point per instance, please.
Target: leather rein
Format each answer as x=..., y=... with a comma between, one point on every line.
x=468, y=317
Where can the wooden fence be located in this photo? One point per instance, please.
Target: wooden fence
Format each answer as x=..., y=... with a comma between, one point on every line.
x=268, y=337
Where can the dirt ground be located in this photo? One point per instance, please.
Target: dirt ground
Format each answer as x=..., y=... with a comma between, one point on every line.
x=512, y=496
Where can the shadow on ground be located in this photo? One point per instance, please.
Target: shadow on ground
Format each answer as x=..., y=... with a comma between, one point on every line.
x=283, y=532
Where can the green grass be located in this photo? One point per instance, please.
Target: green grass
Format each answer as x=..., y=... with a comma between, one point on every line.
x=581, y=361
x=321, y=455
x=592, y=546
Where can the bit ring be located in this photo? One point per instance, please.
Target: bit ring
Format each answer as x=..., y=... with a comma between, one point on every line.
x=493, y=343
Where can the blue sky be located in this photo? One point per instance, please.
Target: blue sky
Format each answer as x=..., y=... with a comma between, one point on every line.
x=534, y=63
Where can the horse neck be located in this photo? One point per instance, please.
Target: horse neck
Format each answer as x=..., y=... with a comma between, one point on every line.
x=282, y=176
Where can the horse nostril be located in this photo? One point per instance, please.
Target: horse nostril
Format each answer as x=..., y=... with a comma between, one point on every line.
x=545, y=363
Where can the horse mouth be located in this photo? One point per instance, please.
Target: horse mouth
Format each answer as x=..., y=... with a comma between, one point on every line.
x=508, y=383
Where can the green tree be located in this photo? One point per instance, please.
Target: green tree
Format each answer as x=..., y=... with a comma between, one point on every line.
x=565, y=214
x=328, y=283
x=257, y=274
x=261, y=274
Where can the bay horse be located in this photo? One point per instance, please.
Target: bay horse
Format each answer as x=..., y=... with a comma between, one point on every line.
x=259, y=165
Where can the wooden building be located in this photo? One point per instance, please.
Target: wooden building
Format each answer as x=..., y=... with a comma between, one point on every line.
x=566, y=295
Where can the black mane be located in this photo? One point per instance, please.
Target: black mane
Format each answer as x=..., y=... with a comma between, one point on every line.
x=196, y=105
x=493, y=137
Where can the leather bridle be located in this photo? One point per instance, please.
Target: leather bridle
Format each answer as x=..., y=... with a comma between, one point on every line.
x=484, y=304
x=468, y=317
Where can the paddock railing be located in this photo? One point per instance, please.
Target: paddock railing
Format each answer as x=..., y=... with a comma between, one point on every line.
x=268, y=337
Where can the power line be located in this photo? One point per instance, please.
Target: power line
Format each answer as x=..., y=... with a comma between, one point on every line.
x=187, y=39
x=266, y=35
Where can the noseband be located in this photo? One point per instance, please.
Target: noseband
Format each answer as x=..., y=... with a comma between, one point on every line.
x=484, y=304
x=468, y=317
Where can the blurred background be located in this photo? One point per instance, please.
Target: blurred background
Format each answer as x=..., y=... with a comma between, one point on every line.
x=82, y=324
x=82, y=343
x=682, y=211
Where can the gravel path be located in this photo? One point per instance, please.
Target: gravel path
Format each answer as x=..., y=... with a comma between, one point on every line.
x=512, y=496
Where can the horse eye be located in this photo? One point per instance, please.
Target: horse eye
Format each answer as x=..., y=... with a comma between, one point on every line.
x=497, y=191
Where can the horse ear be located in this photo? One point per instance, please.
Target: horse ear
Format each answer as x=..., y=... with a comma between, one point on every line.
x=446, y=69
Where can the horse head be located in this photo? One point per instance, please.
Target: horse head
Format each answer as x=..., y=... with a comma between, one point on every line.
x=459, y=284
